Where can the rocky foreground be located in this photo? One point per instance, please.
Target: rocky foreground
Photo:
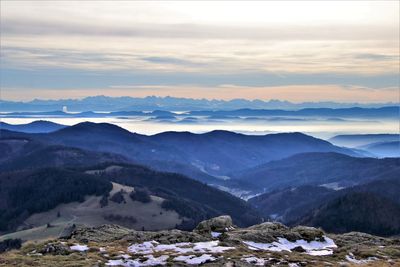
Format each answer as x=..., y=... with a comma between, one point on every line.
x=215, y=242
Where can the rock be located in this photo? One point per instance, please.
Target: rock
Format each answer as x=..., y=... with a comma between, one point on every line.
x=356, y=238
x=308, y=233
x=269, y=226
x=103, y=233
x=107, y=233
x=55, y=249
x=270, y=232
x=67, y=232
x=166, y=237
x=217, y=224
x=299, y=249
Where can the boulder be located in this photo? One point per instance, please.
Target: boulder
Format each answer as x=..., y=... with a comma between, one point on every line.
x=356, y=238
x=269, y=232
x=67, y=232
x=55, y=249
x=308, y=233
x=269, y=227
x=103, y=233
x=107, y=233
x=217, y=224
x=165, y=237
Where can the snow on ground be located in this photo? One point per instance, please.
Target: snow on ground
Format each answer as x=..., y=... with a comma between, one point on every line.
x=178, y=248
x=215, y=234
x=315, y=248
x=254, y=260
x=351, y=258
x=78, y=247
x=192, y=259
x=151, y=261
x=148, y=248
x=320, y=252
x=333, y=186
x=125, y=256
x=115, y=263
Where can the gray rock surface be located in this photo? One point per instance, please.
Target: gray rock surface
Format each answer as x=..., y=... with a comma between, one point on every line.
x=55, y=248
x=106, y=233
x=217, y=224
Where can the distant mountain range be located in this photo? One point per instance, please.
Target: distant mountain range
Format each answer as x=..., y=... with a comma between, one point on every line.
x=150, y=103
x=389, y=112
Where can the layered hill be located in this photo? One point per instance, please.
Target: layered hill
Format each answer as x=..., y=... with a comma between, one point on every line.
x=357, y=211
x=383, y=149
x=356, y=140
x=191, y=199
x=23, y=193
x=29, y=192
x=325, y=169
x=216, y=153
x=29, y=154
x=33, y=127
x=371, y=207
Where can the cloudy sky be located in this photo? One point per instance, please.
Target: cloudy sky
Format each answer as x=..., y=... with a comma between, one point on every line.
x=299, y=51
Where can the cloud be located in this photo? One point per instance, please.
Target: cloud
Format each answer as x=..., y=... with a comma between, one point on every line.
x=28, y=26
x=90, y=45
x=67, y=78
x=171, y=60
x=377, y=57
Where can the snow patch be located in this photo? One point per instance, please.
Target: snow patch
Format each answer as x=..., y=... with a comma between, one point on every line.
x=78, y=247
x=321, y=252
x=151, y=247
x=143, y=248
x=125, y=256
x=215, y=234
x=254, y=260
x=151, y=261
x=351, y=258
x=192, y=259
x=314, y=248
x=333, y=186
x=115, y=263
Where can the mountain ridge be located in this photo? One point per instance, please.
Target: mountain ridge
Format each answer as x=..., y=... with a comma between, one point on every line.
x=105, y=103
x=215, y=153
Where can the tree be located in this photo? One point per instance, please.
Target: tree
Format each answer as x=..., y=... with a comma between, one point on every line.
x=141, y=195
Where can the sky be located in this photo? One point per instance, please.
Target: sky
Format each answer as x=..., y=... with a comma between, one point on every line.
x=344, y=51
